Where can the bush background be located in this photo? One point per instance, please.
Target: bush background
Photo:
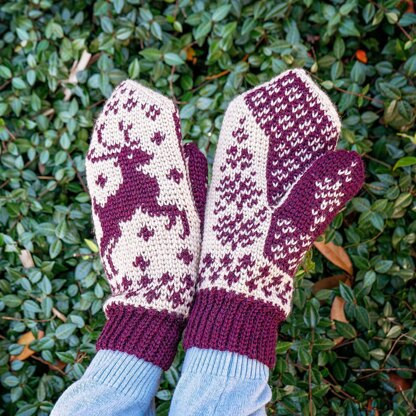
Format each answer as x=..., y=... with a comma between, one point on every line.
x=202, y=53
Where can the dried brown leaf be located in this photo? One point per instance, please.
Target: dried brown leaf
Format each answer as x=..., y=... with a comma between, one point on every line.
x=77, y=66
x=25, y=340
x=26, y=259
x=336, y=255
x=328, y=283
x=399, y=383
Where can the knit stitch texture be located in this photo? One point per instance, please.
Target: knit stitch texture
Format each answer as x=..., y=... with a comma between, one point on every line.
x=277, y=183
x=148, y=197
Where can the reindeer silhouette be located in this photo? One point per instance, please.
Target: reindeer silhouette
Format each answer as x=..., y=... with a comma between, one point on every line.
x=137, y=190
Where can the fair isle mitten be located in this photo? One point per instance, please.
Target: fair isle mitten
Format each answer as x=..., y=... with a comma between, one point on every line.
x=277, y=183
x=148, y=197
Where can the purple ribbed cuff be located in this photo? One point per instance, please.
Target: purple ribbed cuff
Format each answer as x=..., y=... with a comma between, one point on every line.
x=226, y=321
x=145, y=333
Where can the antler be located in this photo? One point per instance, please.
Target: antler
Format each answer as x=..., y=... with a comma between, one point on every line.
x=125, y=130
x=113, y=148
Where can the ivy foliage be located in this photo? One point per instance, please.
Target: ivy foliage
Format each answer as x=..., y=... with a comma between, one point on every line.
x=349, y=346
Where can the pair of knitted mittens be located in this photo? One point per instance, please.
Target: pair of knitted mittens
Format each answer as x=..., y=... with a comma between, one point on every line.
x=277, y=183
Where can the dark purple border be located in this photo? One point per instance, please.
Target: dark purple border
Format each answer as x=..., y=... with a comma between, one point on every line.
x=226, y=321
x=148, y=334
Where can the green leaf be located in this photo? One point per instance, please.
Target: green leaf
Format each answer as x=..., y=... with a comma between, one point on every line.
x=369, y=12
x=19, y=84
x=405, y=110
x=221, y=13
x=405, y=161
x=151, y=54
x=394, y=332
x=361, y=348
x=64, y=331
x=202, y=30
x=311, y=315
x=55, y=248
x=383, y=266
x=282, y=347
x=10, y=380
x=61, y=230
x=82, y=270
x=118, y=5
x=392, y=18
x=410, y=66
x=369, y=117
x=54, y=30
x=361, y=204
x=377, y=221
x=346, y=292
x=134, y=69
x=362, y=316
x=345, y=329
x=173, y=59
x=369, y=278
x=389, y=91
x=378, y=354
x=407, y=19
x=91, y=245
x=304, y=356
x=348, y=28
x=5, y=72
x=124, y=33
x=11, y=301
x=156, y=30
x=339, y=48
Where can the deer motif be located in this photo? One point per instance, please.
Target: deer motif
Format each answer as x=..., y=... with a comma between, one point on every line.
x=138, y=190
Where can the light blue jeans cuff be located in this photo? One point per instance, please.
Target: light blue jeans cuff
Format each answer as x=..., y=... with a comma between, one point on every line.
x=115, y=383
x=215, y=383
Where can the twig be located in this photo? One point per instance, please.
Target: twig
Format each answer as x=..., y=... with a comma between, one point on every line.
x=13, y=137
x=3, y=86
x=367, y=156
x=384, y=370
x=5, y=183
x=332, y=386
x=216, y=76
x=391, y=350
x=10, y=318
x=59, y=315
x=172, y=93
x=355, y=94
x=96, y=104
x=310, y=374
x=55, y=311
x=225, y=72
x=412, y=408
x=175, y=12
x=219, y=75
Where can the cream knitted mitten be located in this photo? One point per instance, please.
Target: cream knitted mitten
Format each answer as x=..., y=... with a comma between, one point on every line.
x=277, y=183
x=148, y=196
